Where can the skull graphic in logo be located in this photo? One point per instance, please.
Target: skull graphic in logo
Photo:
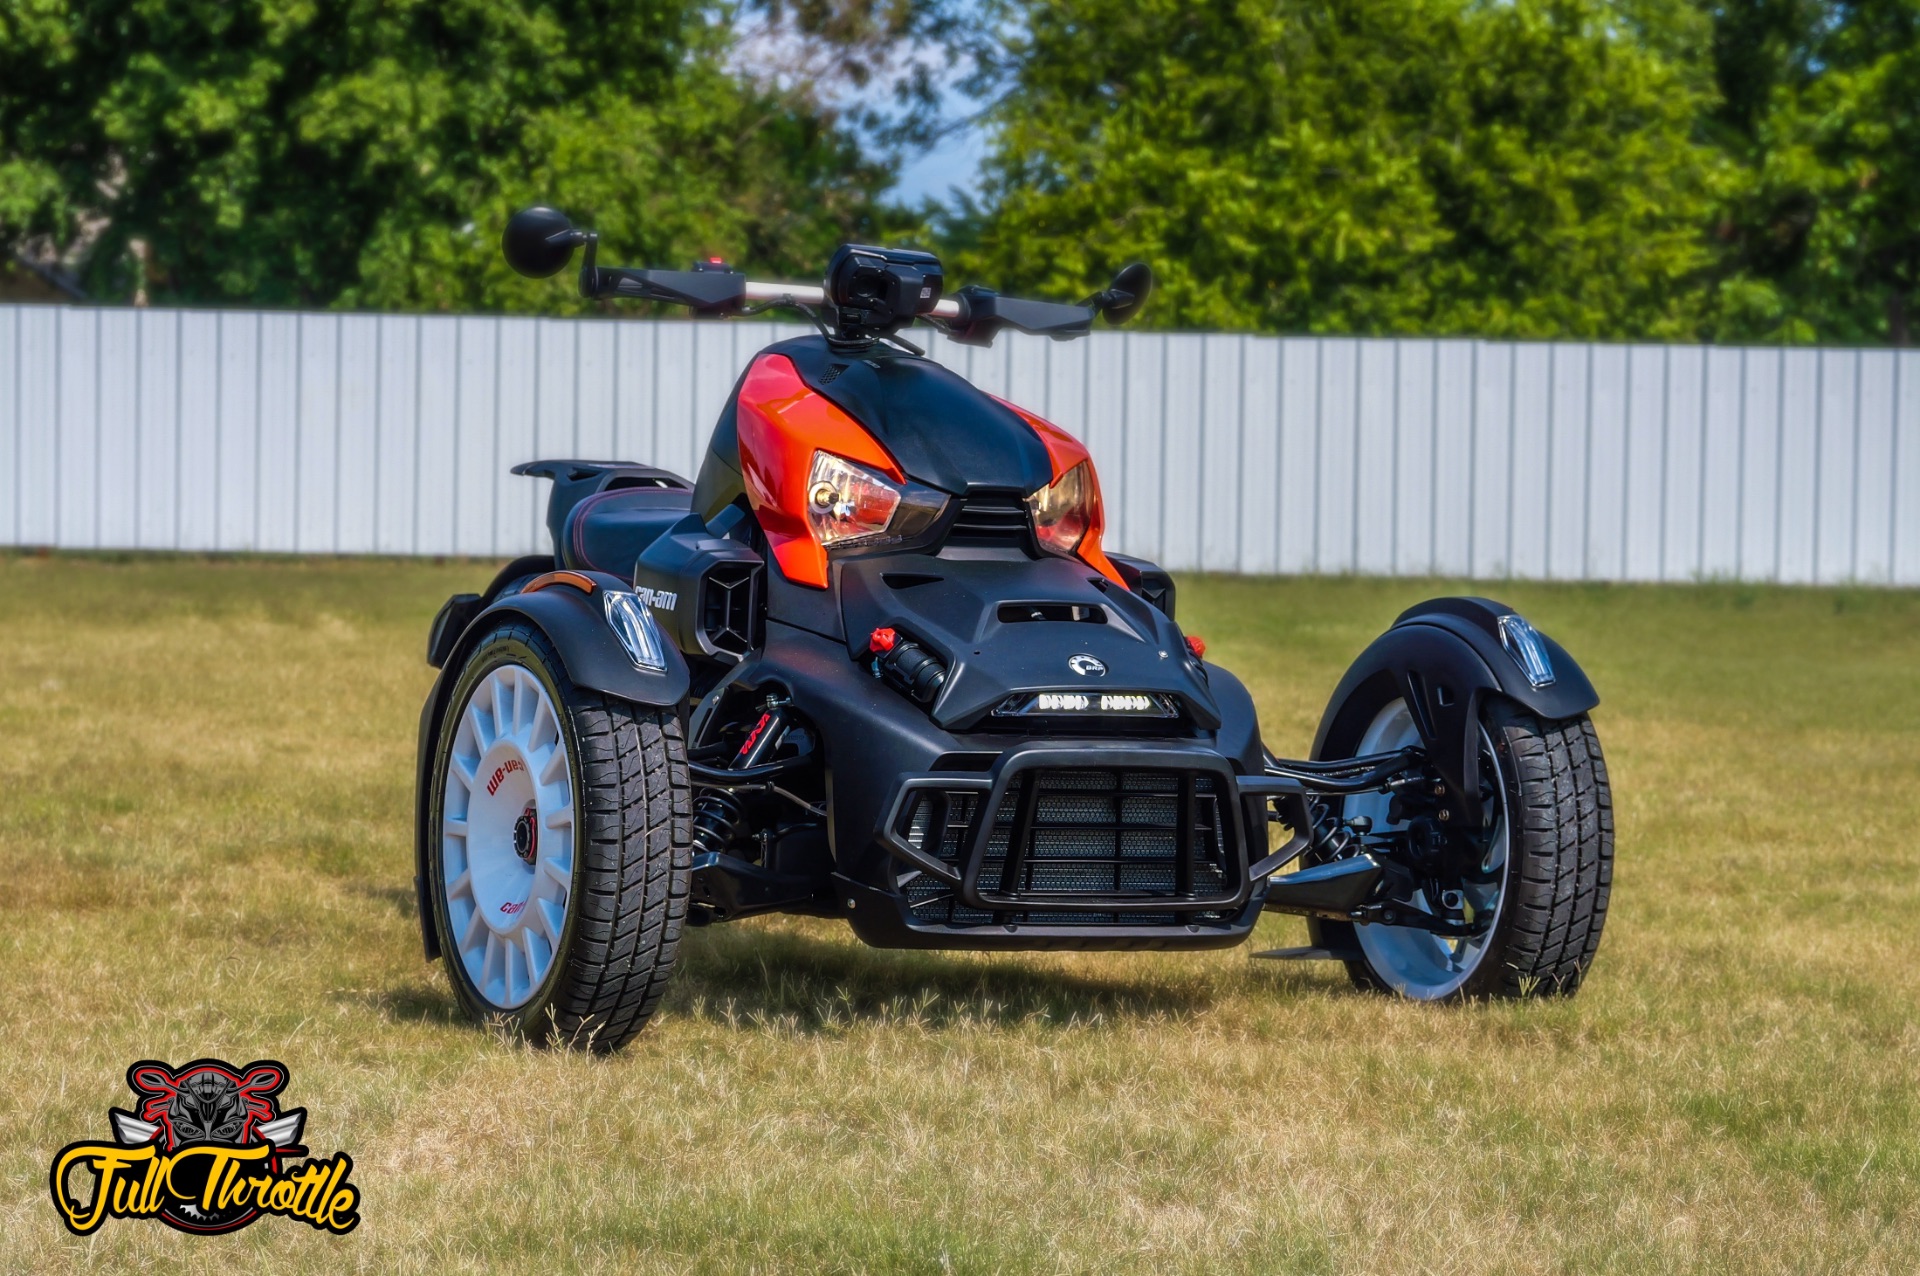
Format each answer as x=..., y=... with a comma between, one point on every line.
x=208, y=1101
x=1087, y=666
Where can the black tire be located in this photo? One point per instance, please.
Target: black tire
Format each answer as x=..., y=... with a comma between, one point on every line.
x=1559, y=868
x=631, y=855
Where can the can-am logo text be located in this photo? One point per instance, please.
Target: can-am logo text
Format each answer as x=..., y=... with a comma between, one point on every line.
x=664, y=599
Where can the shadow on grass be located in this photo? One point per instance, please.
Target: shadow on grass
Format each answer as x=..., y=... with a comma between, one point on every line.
x=751, y=975
x=745, y=975
x=429, y=1002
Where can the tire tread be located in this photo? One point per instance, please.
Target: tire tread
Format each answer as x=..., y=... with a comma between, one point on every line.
x=633, y=851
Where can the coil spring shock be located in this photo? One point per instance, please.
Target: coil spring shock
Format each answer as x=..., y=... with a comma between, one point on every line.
x=717, y=818
x=1334, y=838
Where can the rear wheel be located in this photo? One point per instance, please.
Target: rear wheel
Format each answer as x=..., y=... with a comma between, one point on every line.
x=559, y=869
x=1544, y=879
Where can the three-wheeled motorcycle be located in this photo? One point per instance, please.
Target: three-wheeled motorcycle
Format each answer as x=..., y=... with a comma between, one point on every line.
x=874, y=662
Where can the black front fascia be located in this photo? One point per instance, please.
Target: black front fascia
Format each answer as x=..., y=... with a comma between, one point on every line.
x=944, y=431
x=872, y=734
x=952, y=606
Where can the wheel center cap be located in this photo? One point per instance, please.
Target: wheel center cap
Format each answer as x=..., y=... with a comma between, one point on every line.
x=526, y=835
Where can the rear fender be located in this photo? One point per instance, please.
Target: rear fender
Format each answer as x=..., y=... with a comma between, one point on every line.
x=573, y=621
x=1445, y=657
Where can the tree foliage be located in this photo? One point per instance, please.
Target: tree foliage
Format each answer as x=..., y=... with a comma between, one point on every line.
x=1383, y=166
x=1820, y=103
x=1718, y=169
x=366, y=152
x=1667, y=169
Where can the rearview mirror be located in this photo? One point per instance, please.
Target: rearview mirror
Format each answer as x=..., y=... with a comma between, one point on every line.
x=1128, y=292
x=538, y=241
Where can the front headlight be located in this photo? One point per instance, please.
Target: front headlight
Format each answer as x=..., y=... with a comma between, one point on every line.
x=848, y=503
x=1063, y=510
x=636, y=629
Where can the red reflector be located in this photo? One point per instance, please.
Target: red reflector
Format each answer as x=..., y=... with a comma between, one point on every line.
x=882, y=640
x=1198, y=646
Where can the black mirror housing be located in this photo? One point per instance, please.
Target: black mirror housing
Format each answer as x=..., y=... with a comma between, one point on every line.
x=1128, y=292
x=539, y=241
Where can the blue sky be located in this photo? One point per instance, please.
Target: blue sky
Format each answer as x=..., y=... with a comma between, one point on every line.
x=954, y=161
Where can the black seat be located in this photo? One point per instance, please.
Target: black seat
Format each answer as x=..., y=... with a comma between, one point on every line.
x=603, y=513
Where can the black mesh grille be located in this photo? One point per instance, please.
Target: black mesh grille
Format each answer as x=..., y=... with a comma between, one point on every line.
x=1094, y=832
x=991, y=518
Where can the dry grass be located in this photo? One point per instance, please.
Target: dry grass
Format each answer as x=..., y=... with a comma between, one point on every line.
x=204, y=797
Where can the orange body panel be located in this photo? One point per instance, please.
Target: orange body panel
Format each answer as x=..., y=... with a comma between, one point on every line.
x=782, y=423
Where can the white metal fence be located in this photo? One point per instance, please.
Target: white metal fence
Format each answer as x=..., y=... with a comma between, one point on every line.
x=161, y=429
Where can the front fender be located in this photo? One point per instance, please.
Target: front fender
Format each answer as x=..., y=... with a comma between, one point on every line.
x=1444, y=657
x=573, y=621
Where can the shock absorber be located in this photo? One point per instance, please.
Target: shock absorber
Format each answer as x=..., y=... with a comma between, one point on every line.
x=717, y=818
x=719, y=815
x=1334, y=838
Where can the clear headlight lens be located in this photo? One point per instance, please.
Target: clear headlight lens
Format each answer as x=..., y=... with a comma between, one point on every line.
x=848, y=503
x=1063, y=510
x=633, y=624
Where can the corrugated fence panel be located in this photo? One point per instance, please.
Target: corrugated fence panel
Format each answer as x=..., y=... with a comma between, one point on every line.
x=393, y=434
x=1906, y=468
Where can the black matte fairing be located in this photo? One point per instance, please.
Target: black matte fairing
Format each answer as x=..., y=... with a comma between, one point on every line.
x=944, y=431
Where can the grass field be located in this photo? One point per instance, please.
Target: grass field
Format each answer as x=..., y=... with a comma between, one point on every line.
x=205, y=787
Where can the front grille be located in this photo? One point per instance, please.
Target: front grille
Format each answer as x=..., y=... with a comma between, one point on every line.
x=1099, y=833
x=991, y=518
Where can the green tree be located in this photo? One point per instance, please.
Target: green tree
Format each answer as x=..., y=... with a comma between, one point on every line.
x=1444, y=166
x=366, y=152
x=1821, y=107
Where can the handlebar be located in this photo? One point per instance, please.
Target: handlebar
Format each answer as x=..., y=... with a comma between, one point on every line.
x=869, y=293
x=973, y=316
x=814, y=295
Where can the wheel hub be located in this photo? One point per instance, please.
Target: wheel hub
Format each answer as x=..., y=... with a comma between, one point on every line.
x=526, y=835
x=1456, y=877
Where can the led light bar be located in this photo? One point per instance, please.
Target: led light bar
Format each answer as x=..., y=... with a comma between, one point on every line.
x=1131, y=704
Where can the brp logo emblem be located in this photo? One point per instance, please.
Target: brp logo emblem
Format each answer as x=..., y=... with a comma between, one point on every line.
x=1087, y=666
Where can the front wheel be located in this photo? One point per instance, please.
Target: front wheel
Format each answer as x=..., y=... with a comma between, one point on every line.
x=1545, y=877
x=562, y=846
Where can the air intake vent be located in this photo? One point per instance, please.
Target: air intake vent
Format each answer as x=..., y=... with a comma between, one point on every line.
x=992, y=518
x=730, y=607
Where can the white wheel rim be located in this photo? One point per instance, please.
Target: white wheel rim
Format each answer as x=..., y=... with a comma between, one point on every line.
x=1417, y=963
x=508, y=776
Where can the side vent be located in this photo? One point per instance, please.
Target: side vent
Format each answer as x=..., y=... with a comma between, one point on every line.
x=705, y=590
x=730, y=607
